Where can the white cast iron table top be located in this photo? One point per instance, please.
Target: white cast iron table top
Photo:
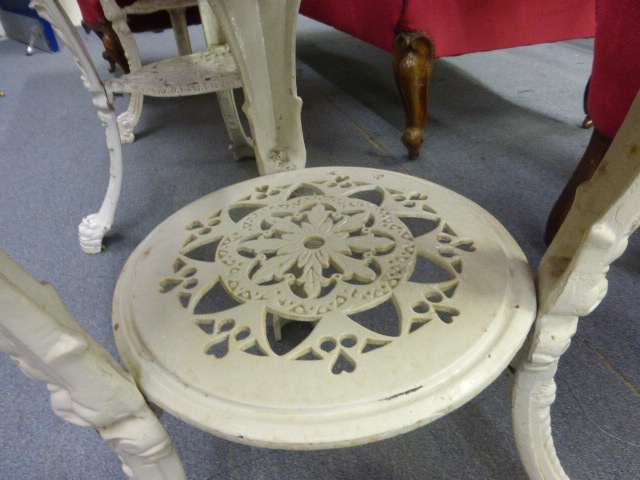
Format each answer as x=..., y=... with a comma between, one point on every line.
x=322, y=307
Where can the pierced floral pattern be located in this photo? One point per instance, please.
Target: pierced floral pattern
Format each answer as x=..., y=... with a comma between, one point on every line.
x=313, y=242
x=317, y=255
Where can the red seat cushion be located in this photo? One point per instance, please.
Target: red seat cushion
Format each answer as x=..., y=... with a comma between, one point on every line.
x=615, y=79
x=467, y=26
x=93, y=14
x=458, y=26
x=373, y=21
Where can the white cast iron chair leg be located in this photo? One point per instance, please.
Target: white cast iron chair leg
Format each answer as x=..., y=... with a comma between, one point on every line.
x=239, y=143
x=534, y=391
x=88, y=388
x=262, y=38
x=178, y=18
x=572, y=281
x=93, y=227
x=127, y=120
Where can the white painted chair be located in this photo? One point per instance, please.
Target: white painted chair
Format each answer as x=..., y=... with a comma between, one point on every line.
x=344, y=307
x=88, y=388
x=240, y=145
x=321, y=256
x=571, y=283
x=265, y=69
x=293, y=254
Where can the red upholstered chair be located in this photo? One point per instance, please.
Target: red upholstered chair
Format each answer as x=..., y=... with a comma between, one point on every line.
x=417, y=31
x=94, y=19
x=615, y=81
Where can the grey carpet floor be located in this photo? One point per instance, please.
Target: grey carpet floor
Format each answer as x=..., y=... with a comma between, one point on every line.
x=504, y=131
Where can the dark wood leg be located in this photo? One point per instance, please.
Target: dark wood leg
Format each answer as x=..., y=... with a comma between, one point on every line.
x=113, y=47
x=593, y=155
x=412, y=65
x=113, y=53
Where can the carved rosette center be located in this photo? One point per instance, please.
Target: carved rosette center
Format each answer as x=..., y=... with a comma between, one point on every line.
x=324, y=270
x=315, y=254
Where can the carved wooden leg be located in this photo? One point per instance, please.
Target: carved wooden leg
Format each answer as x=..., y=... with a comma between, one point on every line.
x=261, y=34
x=533, y=393
x=113, y=53
x=593, y=155
x=240, y=144
x=88, y=388
x=413, y=57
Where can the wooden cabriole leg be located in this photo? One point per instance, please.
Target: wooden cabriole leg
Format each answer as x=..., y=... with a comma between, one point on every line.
x=593, y=155
x=113, y=52
x=413, y=56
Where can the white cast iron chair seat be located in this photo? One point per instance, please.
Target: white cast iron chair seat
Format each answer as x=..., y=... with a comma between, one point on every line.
x=282, y=357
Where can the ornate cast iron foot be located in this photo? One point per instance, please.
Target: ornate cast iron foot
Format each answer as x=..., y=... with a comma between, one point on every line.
x=125, y=128
x=128, y=119
x=412, y=65
x=91, y=231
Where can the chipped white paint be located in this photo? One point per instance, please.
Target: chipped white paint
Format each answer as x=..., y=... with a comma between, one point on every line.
x=315, y=252
x=311, y=254
x=94, y=226
x=88, y=388
x=262, y=34
x=571, y=283
x=240, y=145
x=266, y=63
x=180, y=81
x=201, y=72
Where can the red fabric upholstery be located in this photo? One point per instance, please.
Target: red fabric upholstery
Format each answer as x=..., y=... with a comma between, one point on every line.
x=458, y=26
x=615, y=79
x=373, y=21
x=93, y=14
x=467, y=26
x=91, y=11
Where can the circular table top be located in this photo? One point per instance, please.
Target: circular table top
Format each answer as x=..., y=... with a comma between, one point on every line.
x=322, y=307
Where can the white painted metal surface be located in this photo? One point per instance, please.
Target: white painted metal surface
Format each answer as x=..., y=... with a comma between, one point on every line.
x=201, y=72
x=572, y=281
x=88, y=388
x=447, y=294
x=293, y=350
x=262, y=37
x=266, y=63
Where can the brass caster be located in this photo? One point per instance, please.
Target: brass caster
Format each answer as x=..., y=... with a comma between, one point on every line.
x=587, y=122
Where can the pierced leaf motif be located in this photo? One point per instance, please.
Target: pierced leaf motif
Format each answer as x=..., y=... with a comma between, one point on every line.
x=370, y=243
x=314, y=254
x=311, y=243
x=274, y=268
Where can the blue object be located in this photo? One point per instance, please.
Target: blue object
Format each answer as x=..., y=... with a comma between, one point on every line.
x=21, y=7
